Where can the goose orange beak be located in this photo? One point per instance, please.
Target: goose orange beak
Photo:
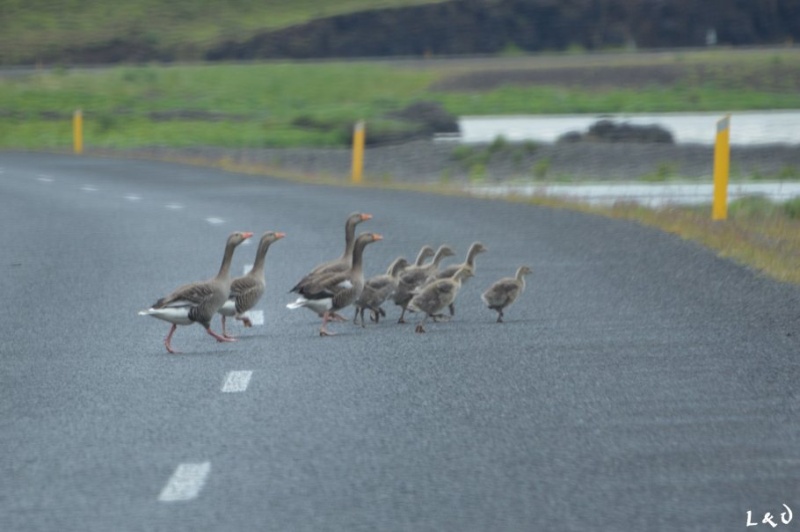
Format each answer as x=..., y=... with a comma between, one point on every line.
x=376, y=236
x=365, y=217
x=280, y=235
x=247, y=235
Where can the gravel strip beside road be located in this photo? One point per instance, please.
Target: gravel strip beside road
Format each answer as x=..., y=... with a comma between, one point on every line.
x=425, y=161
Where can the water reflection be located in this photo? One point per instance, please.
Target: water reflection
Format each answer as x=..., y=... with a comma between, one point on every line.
x=747, y=127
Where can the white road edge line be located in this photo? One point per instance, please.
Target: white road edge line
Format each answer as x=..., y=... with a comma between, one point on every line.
x=186, y=482
x=236, y=381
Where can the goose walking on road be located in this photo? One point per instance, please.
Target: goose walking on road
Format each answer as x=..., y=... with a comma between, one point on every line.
x=247, y=290
x=327, y=293
x=378, y=289
x=198, y=302
x=415, y=276
x=505, y=291
x=450, y=271
x=344, y=262
x=435, y=296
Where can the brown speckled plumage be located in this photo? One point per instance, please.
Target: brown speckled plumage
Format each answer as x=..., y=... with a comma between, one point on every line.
x=469, y=262
x=505, y=291
x=247, y=290
x=329, y=292
x=415, y=276
x=435, y=296
x=198, y=302
x=342, y=263
x=378, y=289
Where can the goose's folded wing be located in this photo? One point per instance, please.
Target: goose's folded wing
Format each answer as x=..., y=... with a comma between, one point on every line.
x=193, y=293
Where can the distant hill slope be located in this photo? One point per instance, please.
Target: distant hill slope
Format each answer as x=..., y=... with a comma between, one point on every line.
x=94, y=31
x=132, y=30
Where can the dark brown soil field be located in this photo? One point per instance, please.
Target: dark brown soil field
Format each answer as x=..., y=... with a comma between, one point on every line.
x=777, y=77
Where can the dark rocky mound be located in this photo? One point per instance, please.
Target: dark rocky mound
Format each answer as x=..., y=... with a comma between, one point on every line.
x=429, y=117
x=610, y=131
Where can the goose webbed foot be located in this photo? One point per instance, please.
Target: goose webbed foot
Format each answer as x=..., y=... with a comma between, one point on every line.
x=218, y=337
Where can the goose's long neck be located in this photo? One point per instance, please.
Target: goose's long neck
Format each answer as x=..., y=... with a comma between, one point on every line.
x=395, y=268
x=423, y=254
x=471, y=254
x=261, y=254
x=225, y=268
x=349, y=236
x=437, y=259
x=358, y=253
x=521, y=279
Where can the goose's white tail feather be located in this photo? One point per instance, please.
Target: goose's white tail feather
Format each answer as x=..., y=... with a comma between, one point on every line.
x=316, y=305
x=176, y=315
x=301, y=302
x=228, y=309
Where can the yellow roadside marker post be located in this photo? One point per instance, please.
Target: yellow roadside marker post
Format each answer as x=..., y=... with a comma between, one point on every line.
x=77, y=132
x=358, y=152
x=722, y=161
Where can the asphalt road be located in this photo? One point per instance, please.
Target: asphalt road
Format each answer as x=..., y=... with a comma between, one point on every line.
x=640, y=383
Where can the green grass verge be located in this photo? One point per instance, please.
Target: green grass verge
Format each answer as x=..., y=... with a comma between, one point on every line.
x=315, y=104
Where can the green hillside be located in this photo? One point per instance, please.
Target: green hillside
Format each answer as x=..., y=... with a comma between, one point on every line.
x=32, y=30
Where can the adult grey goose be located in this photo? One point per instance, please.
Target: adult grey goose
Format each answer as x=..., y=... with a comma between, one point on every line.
x=328, y=292
x=377, y=289
x=505, y=291
x=415, y=276
x=469, y=262
x=198, y=302
x=435, y=296
x=342, y=263
x=246, y=291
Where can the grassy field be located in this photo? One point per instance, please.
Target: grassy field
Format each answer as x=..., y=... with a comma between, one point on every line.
x=29, y=28
x=315, y=104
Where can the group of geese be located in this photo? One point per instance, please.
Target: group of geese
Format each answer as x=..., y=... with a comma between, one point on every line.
x=334, y=285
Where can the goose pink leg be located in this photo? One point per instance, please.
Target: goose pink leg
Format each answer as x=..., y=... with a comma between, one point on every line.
x=218, y=337
x=168, y=340
x=225, y=334
x=323, y=331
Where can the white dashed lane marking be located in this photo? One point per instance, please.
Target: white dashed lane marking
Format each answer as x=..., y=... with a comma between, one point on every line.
x=215, y=221
x=256, y=316
x=44, y=178
x=88, y=188
x=133, y=197
x=174, y=206
x=236, y=381
x=186, y=482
